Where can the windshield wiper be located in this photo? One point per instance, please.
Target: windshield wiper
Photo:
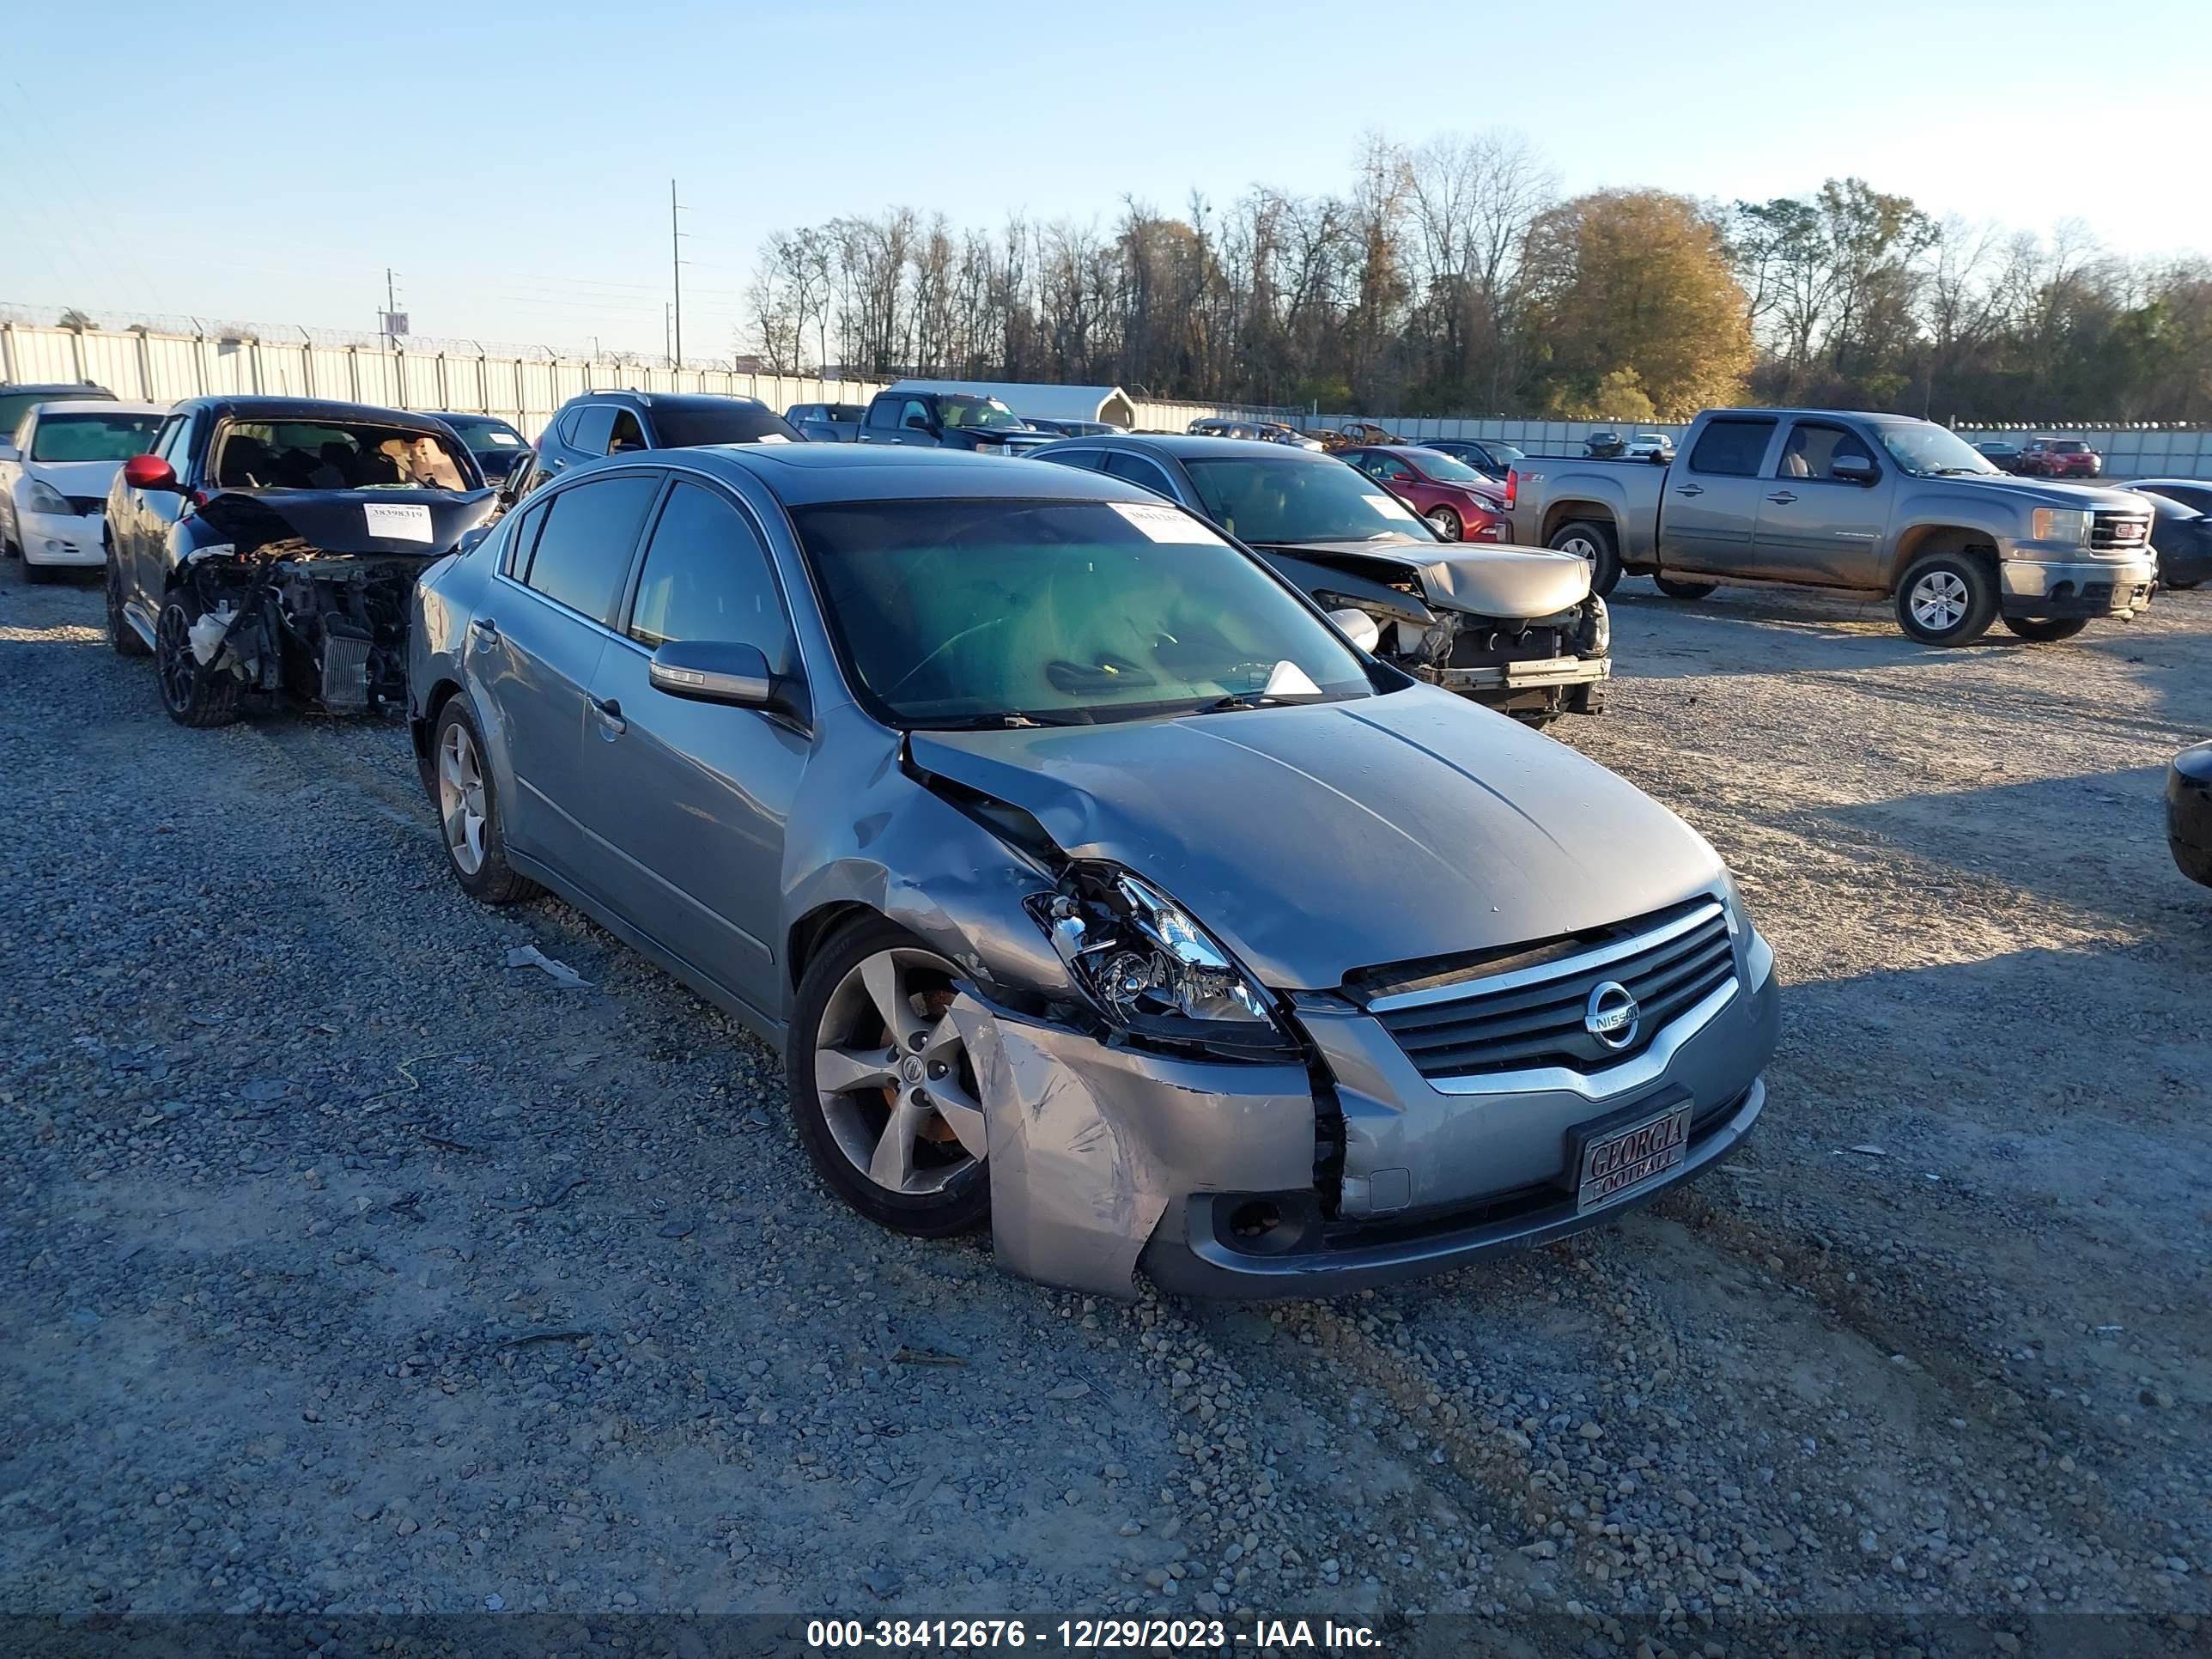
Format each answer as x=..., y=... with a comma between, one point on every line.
x=1013, y=719
x=1255, y=700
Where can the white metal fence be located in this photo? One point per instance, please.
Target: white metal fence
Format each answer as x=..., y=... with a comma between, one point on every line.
x=147, y=366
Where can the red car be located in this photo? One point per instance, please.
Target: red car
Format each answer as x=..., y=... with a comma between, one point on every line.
x=2057, y=457
x=1459, y=503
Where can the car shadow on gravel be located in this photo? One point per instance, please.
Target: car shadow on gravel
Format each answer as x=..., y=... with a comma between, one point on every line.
x=1696, y=639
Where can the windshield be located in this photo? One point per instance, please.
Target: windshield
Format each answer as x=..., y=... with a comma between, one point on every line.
x=14, y=406
x=484, y=432
x=1447, y=469
x=966, y=612
x=1930, y=451
x=958, y=409
x=1287, y=500
x=93, y=437
x=714, y=421
x=337, y=455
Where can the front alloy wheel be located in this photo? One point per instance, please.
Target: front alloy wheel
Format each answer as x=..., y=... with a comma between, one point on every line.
x=887, y=1099
x=1947, y=598
x=1445, y=523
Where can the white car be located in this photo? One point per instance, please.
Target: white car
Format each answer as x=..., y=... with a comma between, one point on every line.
x=53, y=492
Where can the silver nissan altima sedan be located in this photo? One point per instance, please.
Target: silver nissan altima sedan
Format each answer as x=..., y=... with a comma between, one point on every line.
x=1096, y=885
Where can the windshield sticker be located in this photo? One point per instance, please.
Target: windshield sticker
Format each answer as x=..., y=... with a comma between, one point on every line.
x=1166, y=524
x=1388, y=506
x=509, y=439
x=771, y=438
x=398, y=524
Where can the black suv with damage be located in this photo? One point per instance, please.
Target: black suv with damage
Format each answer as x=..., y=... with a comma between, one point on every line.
x=270, y=545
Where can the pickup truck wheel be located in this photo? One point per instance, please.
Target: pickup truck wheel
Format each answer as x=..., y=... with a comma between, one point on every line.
x=192, y=698
x=1594, y=544
x=120, y=633
x=2042, y=630
x=1445, y=523
x=1674, y=590
x=1947, y=598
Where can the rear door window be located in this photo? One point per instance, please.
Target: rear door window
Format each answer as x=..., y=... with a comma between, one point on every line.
x=883, y=414
x=1090, y=460
x=583, y=549
x=1138, y=470
x=595, y=425
x=1732, y=448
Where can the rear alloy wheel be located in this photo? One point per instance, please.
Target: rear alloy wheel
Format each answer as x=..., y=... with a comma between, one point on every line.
x=1674, y=590
x=121, y=635
x=2044, y=630
x=1947, y=598
x=885, y=1094
x=1594, y=543
x=191, y=697
x=468, y=811
x=1445, y=522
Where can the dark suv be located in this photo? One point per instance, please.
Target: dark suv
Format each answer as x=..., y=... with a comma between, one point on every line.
x=949, y=420
x=599, y=424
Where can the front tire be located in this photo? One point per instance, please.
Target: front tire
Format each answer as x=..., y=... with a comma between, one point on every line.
x=1445, y=522
x=2044, y=631
x=1947, y=598
x=121, y=635
x=192, y=698
x=880, y=1081
x=1596, y=545
x=1674, y=590
x=470, y=826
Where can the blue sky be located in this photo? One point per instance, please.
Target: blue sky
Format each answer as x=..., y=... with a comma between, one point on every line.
x=266, y=162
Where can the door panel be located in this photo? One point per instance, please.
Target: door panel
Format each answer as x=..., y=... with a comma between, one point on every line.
x=1709, y=510
x=532, y=663
x=1815, y=528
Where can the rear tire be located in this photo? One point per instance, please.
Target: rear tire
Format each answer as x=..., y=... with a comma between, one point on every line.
x=1674, y=590
x=2044, y=631
x=121, y=635
x=870, y=1018
x=466, y=800
x=192, y=698
x=1596, y=545
x=1947, y=598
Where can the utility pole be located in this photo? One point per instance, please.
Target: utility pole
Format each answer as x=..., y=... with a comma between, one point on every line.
x=676, y=275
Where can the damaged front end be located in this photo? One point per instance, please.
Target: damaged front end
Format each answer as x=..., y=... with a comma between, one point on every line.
x=283, y=613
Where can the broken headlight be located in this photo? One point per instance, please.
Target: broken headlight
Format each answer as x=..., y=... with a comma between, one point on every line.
x=1149, y=968
x=1596, y=629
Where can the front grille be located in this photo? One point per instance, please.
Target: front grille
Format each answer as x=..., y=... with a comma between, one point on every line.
x=1484, y=644
x=1534, y=1016
x=2114, y=529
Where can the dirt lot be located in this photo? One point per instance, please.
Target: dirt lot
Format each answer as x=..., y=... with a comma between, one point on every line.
x=344, y=1267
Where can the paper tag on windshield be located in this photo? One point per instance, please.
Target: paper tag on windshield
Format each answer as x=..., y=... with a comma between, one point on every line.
x=396, y=523
x=505, y=438
x=1165, y=524
x=1389, y=507
x=771, y=438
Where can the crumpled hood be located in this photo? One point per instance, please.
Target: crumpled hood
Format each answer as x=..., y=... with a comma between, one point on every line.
x=81, y=478
x=1320, y=838
x=1486, y=580
x=339, y=521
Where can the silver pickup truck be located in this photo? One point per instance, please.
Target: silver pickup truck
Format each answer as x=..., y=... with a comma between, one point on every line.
x=1870, y=504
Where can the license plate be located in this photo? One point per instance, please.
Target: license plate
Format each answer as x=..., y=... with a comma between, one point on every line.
x=1616, y=1164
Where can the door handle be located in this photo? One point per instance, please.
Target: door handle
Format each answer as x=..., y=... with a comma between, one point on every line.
x=1783, y=496
x=610, y=715
x=1691, y=490
x=484, y=628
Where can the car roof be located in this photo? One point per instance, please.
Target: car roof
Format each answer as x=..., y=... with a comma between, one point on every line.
x=465, y=414
x=807, y=475
x=79, y=389
x=107, y=406
x=2153, y=484
x=1187, y=447
x=662, y=399
x=304, y=408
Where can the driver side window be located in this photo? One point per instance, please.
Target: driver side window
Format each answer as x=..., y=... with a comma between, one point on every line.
x=1813, y=449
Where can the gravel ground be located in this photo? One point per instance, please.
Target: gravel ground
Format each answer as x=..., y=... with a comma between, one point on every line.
x=344, y=1268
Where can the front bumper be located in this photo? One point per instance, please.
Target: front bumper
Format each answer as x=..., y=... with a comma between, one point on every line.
x=1103, y=1158
x=1533, y=676
x=57, y=539
x=2030, y=586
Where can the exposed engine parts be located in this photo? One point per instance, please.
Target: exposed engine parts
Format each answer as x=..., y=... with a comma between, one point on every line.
x=330, y=629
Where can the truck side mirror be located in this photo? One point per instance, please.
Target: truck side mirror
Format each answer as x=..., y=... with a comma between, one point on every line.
x=1852, y=469
x=917, y=423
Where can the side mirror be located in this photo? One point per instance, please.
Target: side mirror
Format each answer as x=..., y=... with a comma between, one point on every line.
x=1358, y=627
x=150, y=472
x=917, y=423
x=717, y=671
x=471, y=540
x=1852, y=469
